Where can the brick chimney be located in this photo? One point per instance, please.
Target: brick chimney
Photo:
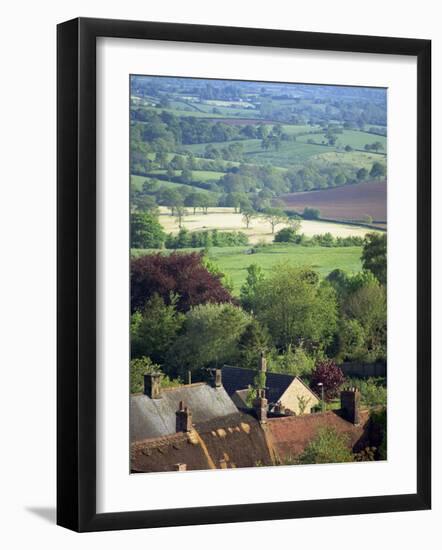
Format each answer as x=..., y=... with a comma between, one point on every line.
x=350, y=402
x=262, y=363
x=218, y=378
x=183, y=418
x=152, y=385
x=260, y=405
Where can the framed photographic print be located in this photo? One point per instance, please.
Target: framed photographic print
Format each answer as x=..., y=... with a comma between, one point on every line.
x=243, y=274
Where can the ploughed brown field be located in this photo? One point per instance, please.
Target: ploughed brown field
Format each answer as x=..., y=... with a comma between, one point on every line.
x=349, y=202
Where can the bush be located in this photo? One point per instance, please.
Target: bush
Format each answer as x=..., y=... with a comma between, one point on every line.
x=311, y=213
x=327, y=447
x=373, y=391
x=287, y=235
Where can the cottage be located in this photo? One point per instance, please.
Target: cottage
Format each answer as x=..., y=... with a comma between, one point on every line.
x=284, y=392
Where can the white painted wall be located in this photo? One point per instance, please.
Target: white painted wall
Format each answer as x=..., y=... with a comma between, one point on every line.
x=27, y=290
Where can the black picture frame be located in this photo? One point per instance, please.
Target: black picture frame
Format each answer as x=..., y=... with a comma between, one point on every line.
x=76, y=272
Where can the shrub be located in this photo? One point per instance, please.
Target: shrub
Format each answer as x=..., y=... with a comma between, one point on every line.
x=373, y=391
x=311, y=213
x=287, y=235
x=327, y=447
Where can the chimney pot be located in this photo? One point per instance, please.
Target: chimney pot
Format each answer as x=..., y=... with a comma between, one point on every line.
x=350, y=402
x=183, y=418
x=152, y=385
x=260, y=405
x=218, y=378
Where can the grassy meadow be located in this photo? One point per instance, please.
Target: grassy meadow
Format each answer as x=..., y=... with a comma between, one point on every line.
x=234, y=261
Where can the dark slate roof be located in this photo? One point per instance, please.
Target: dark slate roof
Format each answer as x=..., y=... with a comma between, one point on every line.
x=236, y=378
x=151, y=418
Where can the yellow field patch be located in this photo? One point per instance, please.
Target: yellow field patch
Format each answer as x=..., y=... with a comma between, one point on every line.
x=226, y=219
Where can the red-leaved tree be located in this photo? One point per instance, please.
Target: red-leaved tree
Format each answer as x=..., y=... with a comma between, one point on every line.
x=180, y=274
x=328, y=374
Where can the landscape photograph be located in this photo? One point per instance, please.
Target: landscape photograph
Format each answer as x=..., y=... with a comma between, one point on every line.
x=258, y=273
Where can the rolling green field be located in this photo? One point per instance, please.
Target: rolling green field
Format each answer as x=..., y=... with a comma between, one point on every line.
x=197, y=175
x=298, y=152
x=354, y=138
x=137, y=183
x=234, y=261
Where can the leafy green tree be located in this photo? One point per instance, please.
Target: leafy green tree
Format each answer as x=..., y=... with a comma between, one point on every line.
x=368, y=305
x=294, y=223
x=247, y=215
x=255, y=276
x=296, y=307
x=195, y=199
x=186, y=176
x=374, y=255
x=352, y=340
x=143, y=365
x=326, y=447
x=294, y=361
x=146, y=231
x=209, y=338
x=378, y=170
x=254, y=341
x=172, y=198
x=377, y=146
x=155, y=329
x=180, y=213
x=275, y=217
x=205, y=202
x=362, y=174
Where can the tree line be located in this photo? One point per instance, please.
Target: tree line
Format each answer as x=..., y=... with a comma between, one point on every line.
x=185, y=318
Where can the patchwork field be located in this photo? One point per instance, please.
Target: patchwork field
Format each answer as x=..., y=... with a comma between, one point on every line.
x=350, y=202
x=225, y=219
